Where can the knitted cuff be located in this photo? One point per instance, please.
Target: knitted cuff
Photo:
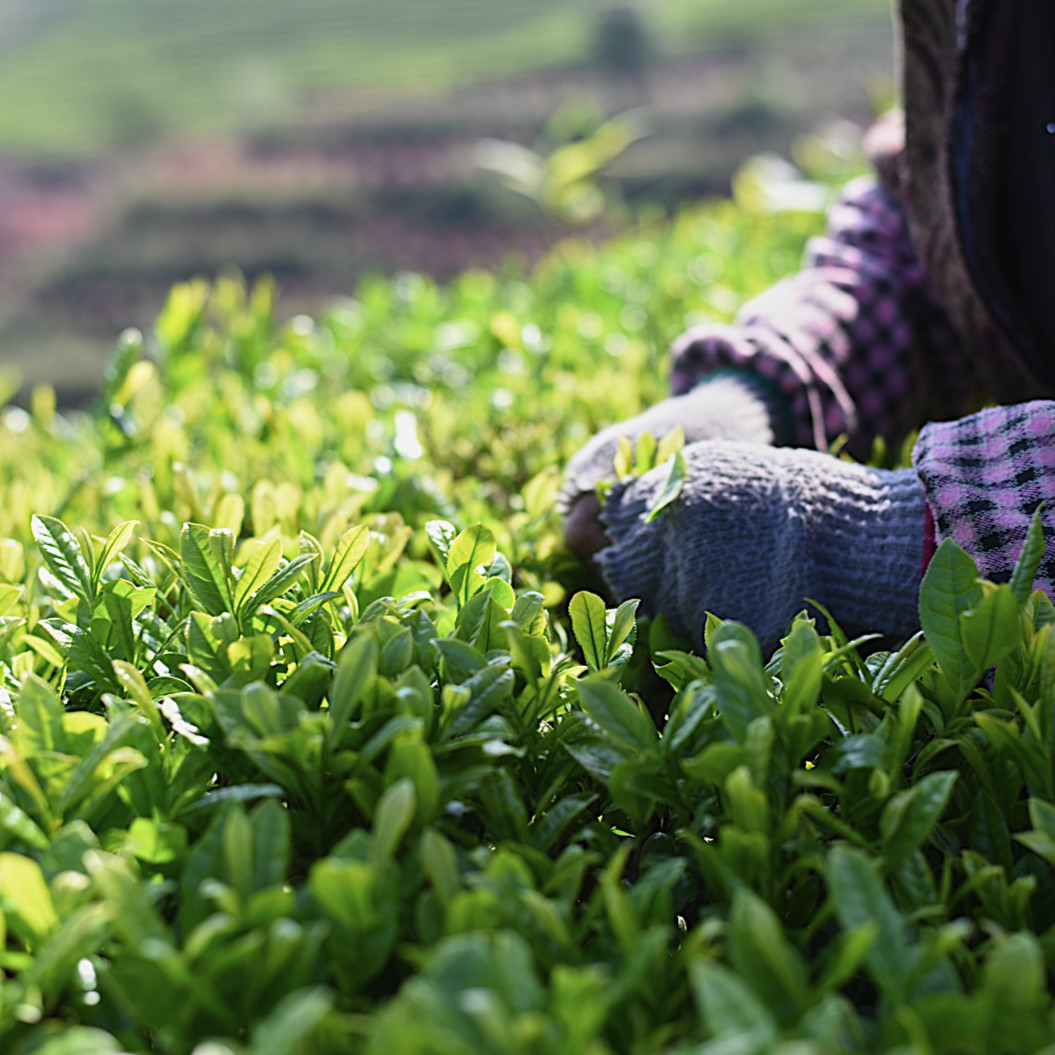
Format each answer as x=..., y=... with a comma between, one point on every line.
x=868, y=537
x=752, y=348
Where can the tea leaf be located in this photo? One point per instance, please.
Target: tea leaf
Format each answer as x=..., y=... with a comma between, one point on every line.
x=473, y=549
x=902, y=668
x=644, y=453
x=25, y=894
x=949, y=590
x=859, y=898
x=740, y=685
x=616, y=714
x=910, y=815
x=1029, y=559
x=356, y=670
x=670, y=445
x=289, y=1027
x=393, y=816
x=587, y=613
x=441, y=535
x=63, y=556
x=801, y=667
x=205, y=558
x=671, y=488
x=731, y=1009
x=351, y=548
x=623, y=464
x=990, y=631
x=621, y=629
x=116, y=541
x=263, y=562
x=279, y=583
x=763, y=956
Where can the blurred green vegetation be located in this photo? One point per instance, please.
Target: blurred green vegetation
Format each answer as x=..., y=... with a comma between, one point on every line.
x=95, y=74
x=505, y=373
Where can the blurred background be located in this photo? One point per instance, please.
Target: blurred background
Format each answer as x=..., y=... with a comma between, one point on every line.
x=143, y=142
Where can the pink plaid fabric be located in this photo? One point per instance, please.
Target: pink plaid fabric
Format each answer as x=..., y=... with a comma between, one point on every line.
x=855, y=342
x=984, y=477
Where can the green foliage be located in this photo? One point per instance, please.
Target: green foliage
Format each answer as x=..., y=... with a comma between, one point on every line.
x=301, y=748
x=566, y=183
x=105, y=73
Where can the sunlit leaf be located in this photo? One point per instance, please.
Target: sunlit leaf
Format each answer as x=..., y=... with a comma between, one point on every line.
x=671, y=488
x=205, y=557
x=587, y=613
x=63, y=556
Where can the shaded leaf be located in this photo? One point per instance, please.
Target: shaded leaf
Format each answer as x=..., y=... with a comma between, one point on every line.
x=859, y=898
x=910, y=815
x=1028, y=563
x=949, y=590
x=616, y=714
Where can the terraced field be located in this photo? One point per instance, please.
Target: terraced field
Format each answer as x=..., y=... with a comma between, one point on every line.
x=103, y=72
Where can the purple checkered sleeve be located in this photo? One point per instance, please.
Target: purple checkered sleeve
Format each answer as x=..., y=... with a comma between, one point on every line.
x=984, y=476
x=855, y=343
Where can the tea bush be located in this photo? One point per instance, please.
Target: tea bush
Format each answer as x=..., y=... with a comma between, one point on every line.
x=310, y=742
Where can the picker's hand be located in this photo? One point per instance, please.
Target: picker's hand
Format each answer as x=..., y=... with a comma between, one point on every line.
x=583, y=532
x=758, y=530
x=729, y=407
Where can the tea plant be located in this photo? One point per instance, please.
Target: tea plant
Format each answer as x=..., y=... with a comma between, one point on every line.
x=310, y=742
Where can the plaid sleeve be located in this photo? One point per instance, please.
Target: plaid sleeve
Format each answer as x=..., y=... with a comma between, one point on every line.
x=855, y=342
x=984, y=477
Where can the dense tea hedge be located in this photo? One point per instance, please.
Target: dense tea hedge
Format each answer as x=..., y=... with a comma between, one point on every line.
x=302, y=748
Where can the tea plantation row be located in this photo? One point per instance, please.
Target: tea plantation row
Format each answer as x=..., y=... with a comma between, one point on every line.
x=309, y=744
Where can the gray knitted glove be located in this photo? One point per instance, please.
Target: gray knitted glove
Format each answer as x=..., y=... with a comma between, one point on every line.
x=729, y=406
x=757, y=530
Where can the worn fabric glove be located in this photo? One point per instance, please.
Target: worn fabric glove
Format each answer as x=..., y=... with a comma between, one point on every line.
x=729, y=406
x=758, y=530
